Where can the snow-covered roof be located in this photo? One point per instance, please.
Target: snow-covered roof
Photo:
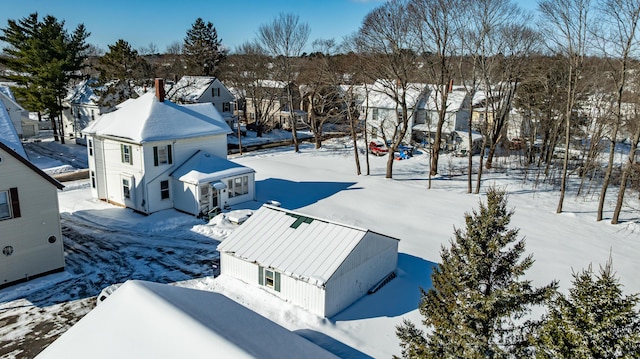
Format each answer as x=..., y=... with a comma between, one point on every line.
x=303, y=247
x=8, y=135
x=146, y=119
x=83, y=94
x=151, y=320
x=203, y=167
x=6, y=90
x=271, y=84
x=455, y=99
x=190, y=88
x=381, y=92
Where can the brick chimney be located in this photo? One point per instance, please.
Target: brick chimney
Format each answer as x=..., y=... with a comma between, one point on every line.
x=160, y=89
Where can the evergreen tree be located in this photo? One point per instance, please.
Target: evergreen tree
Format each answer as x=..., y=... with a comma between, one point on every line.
x=203, y=50
x=44, y=58
x=594, y=321
x=477, y=304
x=121, y=70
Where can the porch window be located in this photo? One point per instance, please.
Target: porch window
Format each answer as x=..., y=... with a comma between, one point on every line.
x=238, y=186
x=162, y=155
x=269, y=278
x=164, y=189
x=126, y=188
x=9, y=204
x=125, y=154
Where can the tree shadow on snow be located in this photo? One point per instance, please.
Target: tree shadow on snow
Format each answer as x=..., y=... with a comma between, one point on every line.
x=331, y=345
x=400, y=296
x=293, y=195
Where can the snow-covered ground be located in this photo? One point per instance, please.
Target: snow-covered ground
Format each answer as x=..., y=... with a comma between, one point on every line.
x=105, y=244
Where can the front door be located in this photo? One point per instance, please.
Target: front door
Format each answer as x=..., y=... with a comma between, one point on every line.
x=208, y=198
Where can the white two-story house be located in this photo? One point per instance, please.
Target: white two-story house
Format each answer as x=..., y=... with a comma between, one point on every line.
x=152, y=154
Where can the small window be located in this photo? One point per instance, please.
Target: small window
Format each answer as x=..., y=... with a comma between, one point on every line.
x=93, y=179
x=162, y=155
x=226, y=107
x=237, y=186
x=374, y=114
x=269, y=278
x=90, y=146
x=5, y=209
x=125, y=153
x=9, y=204
x=126, y=188
x=245, y=184
x=230, y=188
x=164, y=189
x=215, y=91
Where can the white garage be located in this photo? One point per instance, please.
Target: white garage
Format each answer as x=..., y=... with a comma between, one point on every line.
x=319, y=265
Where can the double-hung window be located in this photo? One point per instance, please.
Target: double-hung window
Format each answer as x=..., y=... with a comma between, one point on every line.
x=126, y=188
x=90, y=146
x=269, y=278
x=9, y=204
x=162, y=155
x=125, y=154
x=164, y=189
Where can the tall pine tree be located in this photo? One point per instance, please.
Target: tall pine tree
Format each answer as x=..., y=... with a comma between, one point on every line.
x=477, y=305
x=121, y=70
x=202, y=49
x=44, y=58
x=594, y=321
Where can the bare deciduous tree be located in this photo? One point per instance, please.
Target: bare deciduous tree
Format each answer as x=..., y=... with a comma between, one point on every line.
x=285, y=38
x=566, y=25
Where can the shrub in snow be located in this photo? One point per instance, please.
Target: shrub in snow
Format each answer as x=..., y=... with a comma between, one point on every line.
x=594, y=321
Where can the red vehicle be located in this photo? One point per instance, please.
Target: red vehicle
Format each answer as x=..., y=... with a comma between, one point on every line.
x=378, y=148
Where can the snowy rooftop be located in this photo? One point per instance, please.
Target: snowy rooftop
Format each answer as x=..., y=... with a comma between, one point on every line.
x=8, y=134
x=303, y=247
x=83, y=94
x=152, y=320
x=455, y=99
x=381, y=92
x=203, y=167
x=146, y=119
x=190, y=88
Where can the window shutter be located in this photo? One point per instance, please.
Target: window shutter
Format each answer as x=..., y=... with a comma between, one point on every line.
x=155, y=155
x=261, y=275
x=276, y=285
x=122, y=153
x=15, y=202
x=169, y=157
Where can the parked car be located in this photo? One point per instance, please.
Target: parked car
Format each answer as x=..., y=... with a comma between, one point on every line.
x=378, y=148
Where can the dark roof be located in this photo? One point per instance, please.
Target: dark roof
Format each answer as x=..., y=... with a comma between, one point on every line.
x=27, y=163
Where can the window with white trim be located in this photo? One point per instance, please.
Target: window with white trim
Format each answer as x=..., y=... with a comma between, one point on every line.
x=9, y=204
x=269, y=278
x=226, y=107
x=164, y=189
x=126, y=188
x=125, y=154
x=93, y=179
x=162, y=155
x=238, y=186
x=90, y=146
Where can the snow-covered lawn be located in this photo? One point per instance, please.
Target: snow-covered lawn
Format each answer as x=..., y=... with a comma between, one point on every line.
x=106, y=244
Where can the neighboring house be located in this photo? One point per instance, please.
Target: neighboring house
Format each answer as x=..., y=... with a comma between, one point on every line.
x=272, y=102
x=383, y=112
x=457, y=113
x=24, y=127
x=152, y=320
x=316, y=264
x=204, y=89
x=80, y=108
x=139, y=157
x=30, y=233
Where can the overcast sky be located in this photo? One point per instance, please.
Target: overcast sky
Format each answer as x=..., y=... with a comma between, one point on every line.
x=162, y=22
